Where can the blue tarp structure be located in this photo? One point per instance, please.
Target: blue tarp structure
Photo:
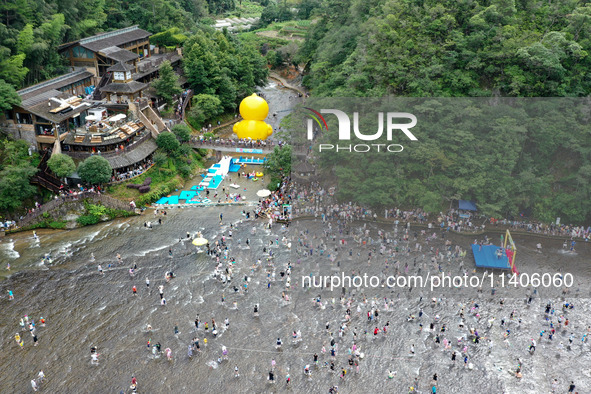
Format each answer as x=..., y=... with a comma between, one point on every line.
x=486, y=257
x=163, y=200
x=467, y=205
x=187, y=194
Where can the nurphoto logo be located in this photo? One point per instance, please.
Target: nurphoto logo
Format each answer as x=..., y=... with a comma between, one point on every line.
x=392, y=124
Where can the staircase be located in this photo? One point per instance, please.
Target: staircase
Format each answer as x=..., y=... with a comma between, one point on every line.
x=44, y=177
x=152, y=121
x=105, y=80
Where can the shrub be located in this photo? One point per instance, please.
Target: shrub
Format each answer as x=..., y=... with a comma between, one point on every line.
x=96, y=210
x=86, y=220
x=133, y=186
x=57, y=224
x=184, y=170
x=160, y=158
x=118, y=213
x=157, y=192
x=147, y=181
x=144, y=189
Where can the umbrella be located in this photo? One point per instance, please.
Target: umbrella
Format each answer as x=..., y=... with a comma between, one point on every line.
x=264, y=193
x=117, y=117
x=200, y=241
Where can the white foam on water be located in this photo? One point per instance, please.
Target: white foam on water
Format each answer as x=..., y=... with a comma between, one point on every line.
x=124, y=225
x=63, y=249
x=101, y=308
x=90, y=236
x=8, y=249
x=145, y=252
x=42, y=265
x=35, y=243
x=568, y=252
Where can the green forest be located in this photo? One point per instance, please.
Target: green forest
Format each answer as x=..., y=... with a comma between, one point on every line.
x=450, y=48
x=508, y=164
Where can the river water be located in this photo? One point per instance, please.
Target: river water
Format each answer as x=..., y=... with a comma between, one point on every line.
x=83, y=308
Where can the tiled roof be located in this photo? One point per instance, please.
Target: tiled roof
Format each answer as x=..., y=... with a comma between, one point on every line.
x=118, y=54
x=121, y=67
x=43, y=109
x=139, y=153
x=53, y=84
x=114, y=38
x=129, y=87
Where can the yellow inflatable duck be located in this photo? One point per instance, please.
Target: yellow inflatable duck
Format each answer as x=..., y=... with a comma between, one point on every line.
x=254, y=110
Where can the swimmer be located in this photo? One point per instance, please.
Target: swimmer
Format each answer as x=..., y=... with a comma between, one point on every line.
x=18, y=340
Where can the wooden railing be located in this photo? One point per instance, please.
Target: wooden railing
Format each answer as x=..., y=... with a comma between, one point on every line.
x=130, y=147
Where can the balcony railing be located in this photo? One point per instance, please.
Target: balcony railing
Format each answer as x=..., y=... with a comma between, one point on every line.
x=83, y=154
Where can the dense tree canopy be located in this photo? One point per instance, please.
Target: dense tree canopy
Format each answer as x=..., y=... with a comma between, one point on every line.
x=167, y=85
x=95, y=170
x=8, y=96
x=16, y=171
x=278, y=164
x=218, y=64
x=15, y=186
x=512, y=156
x=182, y=132
x=168, y=142
x=509, y=163
x=450, y=48
x=61, y=165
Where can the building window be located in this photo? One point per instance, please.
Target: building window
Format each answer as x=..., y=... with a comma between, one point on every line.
x=24, y=118
x=81, y=52
x=42, y=129
x=118, y=76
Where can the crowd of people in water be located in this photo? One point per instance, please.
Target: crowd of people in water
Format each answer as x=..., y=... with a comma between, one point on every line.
x=358, y=326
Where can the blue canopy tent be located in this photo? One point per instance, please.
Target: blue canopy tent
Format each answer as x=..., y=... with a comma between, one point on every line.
x=467, y=205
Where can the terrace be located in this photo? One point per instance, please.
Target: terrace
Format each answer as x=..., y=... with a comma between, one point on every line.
x=105, y=137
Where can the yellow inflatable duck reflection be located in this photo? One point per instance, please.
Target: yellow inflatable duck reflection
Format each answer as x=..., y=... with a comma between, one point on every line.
x=254, y=110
